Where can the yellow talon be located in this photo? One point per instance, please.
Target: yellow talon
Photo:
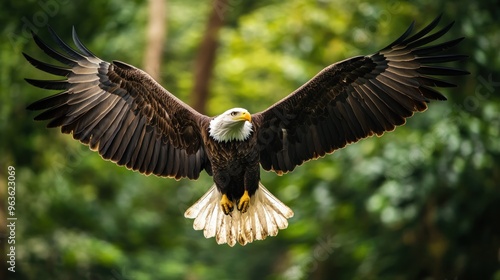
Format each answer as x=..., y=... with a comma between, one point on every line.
x=244, y=202
x=226, y=204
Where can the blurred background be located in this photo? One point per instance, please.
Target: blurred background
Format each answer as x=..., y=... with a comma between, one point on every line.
x=422, y=202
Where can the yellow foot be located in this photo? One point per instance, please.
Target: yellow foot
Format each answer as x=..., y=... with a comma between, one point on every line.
x=226, y=204
x=244, y=202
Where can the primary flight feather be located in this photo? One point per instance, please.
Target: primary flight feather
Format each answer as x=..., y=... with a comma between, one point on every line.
x=127, y=117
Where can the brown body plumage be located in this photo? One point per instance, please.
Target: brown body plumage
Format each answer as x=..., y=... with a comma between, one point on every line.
x=235, y=165
x=128, y=118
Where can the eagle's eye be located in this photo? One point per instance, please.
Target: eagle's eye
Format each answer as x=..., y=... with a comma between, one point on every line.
x=233, y=113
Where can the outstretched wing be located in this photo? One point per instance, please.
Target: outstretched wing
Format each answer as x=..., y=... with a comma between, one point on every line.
x=120, y=112
x=354, y=99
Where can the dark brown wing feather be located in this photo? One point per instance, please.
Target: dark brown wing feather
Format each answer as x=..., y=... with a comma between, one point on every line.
x=121, y=112
x=354, y=99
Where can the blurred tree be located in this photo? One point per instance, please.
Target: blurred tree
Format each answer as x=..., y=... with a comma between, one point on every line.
x=205, y=57
x=156, y=34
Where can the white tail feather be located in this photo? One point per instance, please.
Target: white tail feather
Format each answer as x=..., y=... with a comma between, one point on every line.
x=264, y=217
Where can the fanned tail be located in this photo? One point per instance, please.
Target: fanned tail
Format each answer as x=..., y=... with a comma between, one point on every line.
x=265, y=217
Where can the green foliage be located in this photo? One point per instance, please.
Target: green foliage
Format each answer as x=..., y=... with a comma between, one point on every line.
x=419, y=203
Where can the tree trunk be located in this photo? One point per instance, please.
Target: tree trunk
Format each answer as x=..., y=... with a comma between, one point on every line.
x=205, y=58
x=156, y=34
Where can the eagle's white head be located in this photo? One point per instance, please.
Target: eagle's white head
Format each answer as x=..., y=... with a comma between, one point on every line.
x=233, y=124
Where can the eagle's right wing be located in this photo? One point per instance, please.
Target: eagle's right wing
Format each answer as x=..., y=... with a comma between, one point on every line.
x=120, y=112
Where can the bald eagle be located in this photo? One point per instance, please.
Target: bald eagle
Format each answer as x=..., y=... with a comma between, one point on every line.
x=128, y=118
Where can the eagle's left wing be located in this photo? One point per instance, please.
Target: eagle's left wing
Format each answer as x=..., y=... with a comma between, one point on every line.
x=354, y=99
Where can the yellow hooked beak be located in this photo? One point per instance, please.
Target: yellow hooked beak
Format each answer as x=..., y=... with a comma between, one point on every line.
x=244, y=116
